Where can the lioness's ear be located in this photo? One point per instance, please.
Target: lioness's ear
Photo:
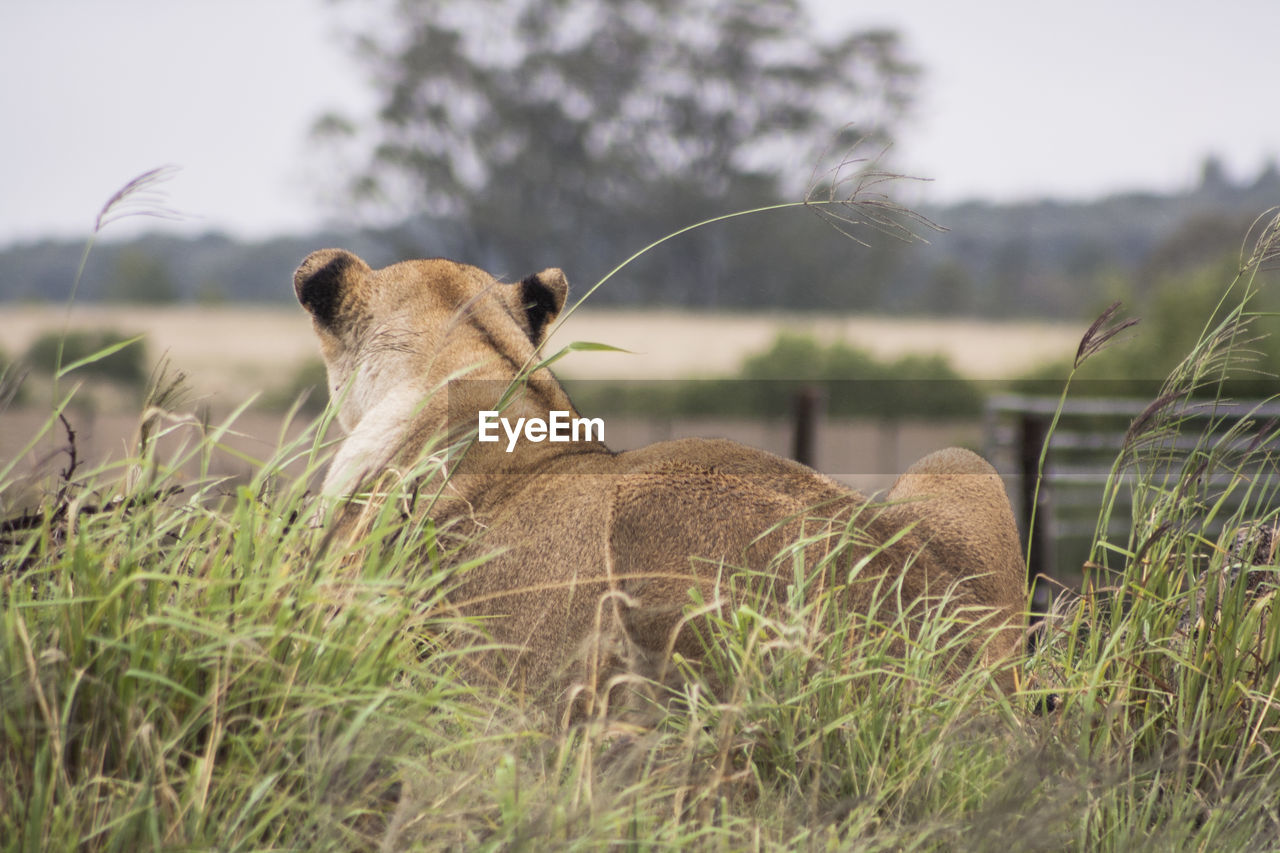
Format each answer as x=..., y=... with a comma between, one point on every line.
x=320, y=280
x=543, y=296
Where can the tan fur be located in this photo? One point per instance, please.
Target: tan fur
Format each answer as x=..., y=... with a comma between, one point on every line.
x=597, y=552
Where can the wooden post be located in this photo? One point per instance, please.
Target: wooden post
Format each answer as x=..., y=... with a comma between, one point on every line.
x=1033, y=431
x=806, y=408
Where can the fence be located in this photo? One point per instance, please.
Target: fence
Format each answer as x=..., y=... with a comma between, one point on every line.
x=1082, y=450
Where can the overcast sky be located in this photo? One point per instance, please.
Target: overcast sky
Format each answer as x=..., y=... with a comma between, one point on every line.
x=1019, y=100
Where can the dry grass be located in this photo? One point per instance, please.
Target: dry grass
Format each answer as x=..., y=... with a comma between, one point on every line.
x=232, y=351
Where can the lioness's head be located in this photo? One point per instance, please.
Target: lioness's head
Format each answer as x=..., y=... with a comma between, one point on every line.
x=407, y=328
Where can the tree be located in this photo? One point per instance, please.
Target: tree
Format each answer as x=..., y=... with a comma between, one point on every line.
x=1213, y=175
x=141, y=277
x=562, y=132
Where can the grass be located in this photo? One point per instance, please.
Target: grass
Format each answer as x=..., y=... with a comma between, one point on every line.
x=194, y=664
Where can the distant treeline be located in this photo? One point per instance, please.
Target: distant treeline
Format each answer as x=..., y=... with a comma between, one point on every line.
x=1043, y=259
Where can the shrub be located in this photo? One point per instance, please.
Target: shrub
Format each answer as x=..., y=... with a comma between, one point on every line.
x=309, y=383
x=853, y=383
x=857, y=384
x=126, y=365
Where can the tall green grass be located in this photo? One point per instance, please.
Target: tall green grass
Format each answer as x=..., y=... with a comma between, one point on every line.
x=188, y=663
x=186, y=668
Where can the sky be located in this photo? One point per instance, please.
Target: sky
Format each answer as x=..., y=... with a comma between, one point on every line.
x=1018, y=101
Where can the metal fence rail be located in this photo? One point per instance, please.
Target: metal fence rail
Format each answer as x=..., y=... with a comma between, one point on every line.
x=1082, y=452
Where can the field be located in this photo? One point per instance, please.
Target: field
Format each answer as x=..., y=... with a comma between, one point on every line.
x=187, y=664
x=231, y=351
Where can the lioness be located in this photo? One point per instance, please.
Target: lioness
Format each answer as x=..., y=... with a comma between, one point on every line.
x=596, y=552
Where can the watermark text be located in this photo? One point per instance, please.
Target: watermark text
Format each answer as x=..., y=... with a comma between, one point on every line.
x=557, y=426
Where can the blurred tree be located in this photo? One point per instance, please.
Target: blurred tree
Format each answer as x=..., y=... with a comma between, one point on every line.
x=211, y=293
x=1213, y=175
x=950, y=288
x=1011, y=275
x=575, y=131
x=1175, y=309
x=1204, y=239
x=141, y=277
x=1268, y=179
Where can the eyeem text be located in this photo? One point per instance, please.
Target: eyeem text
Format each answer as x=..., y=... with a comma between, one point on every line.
x=558, y=426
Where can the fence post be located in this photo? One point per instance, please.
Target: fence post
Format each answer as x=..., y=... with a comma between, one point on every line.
x=806, y=410
x=1032, y=434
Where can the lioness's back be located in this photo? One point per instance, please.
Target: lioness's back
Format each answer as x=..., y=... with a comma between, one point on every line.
x=592, y=555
